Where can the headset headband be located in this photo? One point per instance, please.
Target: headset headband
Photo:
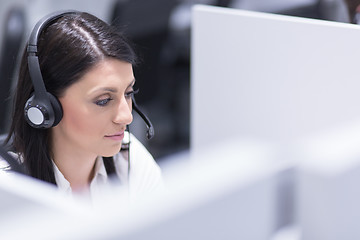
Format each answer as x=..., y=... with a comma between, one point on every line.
x=41, y=24
x=33, y=61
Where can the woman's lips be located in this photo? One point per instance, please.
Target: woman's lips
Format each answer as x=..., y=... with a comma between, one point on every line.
x=116, y=137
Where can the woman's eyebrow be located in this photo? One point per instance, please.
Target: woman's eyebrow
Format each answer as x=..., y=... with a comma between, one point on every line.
x=106, y=89
x=110, y=89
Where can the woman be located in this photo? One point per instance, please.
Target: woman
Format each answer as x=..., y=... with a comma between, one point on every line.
x=86, y=67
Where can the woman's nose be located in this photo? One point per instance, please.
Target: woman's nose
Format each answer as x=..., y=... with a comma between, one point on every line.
x=123, y=112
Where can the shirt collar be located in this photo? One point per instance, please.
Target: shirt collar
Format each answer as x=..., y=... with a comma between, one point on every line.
x=61, y=182
x=100, y=177
x=100, y=168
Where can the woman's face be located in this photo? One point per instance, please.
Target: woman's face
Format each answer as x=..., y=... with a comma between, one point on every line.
x=97, y=109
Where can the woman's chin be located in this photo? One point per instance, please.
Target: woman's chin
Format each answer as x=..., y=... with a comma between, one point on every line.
x=111, y=152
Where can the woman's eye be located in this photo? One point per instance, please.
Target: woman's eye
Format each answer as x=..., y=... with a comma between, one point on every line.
x=103, y=102
x=131, y=93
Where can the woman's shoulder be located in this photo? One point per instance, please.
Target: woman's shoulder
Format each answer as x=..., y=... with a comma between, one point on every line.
x=4, y=165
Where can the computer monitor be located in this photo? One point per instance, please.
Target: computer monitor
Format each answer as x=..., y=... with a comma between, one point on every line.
x=229, y=192
x=269, y=76
x=33, y=209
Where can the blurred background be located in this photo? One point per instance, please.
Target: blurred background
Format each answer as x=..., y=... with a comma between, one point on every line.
x=160, y=31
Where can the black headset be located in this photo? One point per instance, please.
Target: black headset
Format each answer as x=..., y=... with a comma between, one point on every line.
x=43, y=110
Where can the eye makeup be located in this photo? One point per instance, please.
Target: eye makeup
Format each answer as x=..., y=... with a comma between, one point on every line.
x=103, y=102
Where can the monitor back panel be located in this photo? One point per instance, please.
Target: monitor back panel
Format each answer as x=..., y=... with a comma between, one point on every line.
x=269, y=76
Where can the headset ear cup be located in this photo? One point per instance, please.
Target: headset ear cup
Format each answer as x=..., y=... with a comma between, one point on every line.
x=58, y=112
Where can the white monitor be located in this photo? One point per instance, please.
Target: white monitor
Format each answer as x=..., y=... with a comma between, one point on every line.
x=33, y=209
x=269, y=76
x=229, y=192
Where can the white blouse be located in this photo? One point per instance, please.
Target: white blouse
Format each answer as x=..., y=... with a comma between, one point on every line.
x=142, y=177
